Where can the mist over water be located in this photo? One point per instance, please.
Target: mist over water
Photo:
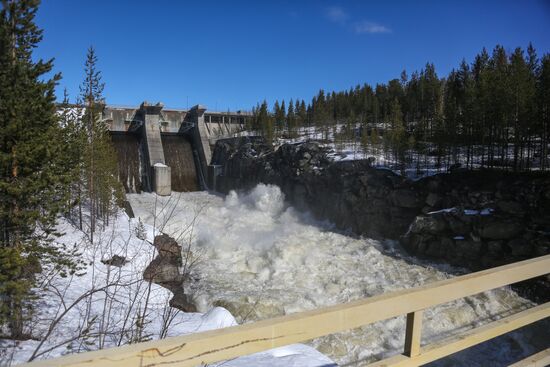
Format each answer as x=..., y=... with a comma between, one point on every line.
x=259, y=258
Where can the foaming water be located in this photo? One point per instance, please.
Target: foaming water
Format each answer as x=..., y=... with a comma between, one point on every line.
x=260, y=258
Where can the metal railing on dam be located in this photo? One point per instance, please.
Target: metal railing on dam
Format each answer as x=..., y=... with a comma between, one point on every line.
x=222, y=344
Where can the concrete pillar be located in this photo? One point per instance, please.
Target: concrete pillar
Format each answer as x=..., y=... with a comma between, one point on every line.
x=151, y=117
x=163, y=179
x=158, y=174
x=200, y=135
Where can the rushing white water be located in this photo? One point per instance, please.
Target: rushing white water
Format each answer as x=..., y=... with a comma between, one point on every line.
x=260, y=258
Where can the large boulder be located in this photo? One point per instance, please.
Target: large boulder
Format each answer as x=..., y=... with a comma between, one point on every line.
x=167, y=247
x=406, y=198
x=165, y=270
x=161, y=271
x=432, y=224
x=499, y=229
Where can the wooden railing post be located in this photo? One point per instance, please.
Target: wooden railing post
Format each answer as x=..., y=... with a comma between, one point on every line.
x=413, y=333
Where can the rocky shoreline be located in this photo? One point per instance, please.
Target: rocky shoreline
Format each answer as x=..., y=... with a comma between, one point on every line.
x=473, y=219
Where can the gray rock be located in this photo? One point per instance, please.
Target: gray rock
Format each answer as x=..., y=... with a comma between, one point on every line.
x=457, y=226
x=432, y=199
x=510, y=207
x=440, y=247
x=182, y=302
x=162, y=271
x=406, y=199
x=494, y=248
x=428, y=224
x=116, y=260
x=469, y=250
x=499, y=229
x=167, y=246
x=520, y=247
x=542, y=249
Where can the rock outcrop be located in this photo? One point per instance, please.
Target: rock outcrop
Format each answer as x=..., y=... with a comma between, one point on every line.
x=475, y=219
x=165, y=271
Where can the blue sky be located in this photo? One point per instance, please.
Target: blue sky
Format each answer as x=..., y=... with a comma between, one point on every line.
x=232, y=54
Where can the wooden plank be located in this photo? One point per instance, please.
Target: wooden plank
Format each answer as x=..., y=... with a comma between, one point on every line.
x=413, y=333
x=540, y=359
x=468, y=339
x=216, y=345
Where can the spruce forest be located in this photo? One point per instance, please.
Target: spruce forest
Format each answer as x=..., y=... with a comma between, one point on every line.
x=493, y=112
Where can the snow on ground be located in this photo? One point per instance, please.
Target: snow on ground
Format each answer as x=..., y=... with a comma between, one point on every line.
x=421, y=164
x=109, y=318
x=260, y=258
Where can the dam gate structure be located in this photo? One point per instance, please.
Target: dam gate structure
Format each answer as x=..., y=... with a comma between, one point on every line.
x=163, y=150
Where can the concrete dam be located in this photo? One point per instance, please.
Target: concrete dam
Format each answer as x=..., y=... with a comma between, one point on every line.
x=164, y=150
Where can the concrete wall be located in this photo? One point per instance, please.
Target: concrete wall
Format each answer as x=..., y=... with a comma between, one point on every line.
x=179, y=139
x=178, y=152
x=127, y=147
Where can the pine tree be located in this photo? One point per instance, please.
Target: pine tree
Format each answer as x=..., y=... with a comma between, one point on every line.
x=31, y=176
x=74, y=139
x=103, y=190
x=398, y=136
x=543, y=109
x=266, y=123
x=291, y=120
x=281, y=119
x=523, y=93
x=480, y=115
x=302, y=113
x=277, y=116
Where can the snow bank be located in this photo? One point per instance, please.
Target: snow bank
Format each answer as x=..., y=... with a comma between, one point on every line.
x=116, y=309
x=486, y=211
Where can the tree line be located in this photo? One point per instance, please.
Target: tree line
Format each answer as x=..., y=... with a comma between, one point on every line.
x=51, y=163
x=491, y=112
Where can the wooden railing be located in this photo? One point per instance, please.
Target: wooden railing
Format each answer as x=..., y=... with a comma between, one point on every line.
x=221, y=344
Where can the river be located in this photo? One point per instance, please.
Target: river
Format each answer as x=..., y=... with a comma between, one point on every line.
x=258, y=257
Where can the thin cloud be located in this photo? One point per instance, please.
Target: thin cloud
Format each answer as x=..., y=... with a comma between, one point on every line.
x=337, y=15
x=370, y=27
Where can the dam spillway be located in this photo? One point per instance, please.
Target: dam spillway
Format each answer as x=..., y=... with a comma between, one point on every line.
x=127, y=148
x=162, y=149
x=179, y=157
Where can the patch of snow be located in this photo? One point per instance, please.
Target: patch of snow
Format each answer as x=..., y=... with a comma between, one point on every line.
x=219, y=318
x=486, y=211
x=295, y=355
x=446, y=210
